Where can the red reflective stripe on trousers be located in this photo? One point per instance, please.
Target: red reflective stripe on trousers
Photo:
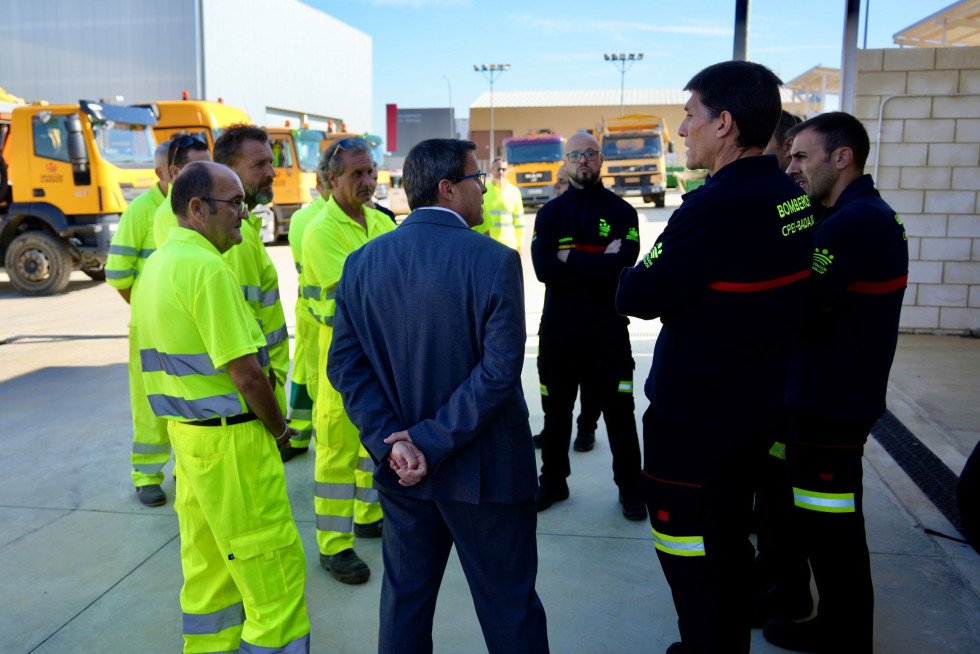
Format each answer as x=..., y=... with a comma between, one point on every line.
x=879, y=288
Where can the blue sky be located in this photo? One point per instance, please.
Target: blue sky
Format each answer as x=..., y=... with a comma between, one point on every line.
x=559, y=45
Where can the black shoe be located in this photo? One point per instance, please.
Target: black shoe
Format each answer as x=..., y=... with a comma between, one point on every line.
x=151, y=495
x=290, y=452
x=584, y=440
x=346, y=567
x=545, y=498
x=633, y=509
x=808, y=636
x=677, y=648
x=370, y=530
x=779, y=605
x=538, y=440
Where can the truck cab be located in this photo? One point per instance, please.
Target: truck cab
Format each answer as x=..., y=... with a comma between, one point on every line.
x=633, y=149
x=194, y=117
x=295, y=153
x=72, y=171
x=534, y=161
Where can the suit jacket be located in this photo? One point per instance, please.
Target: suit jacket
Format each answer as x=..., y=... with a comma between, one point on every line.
x=429, y=336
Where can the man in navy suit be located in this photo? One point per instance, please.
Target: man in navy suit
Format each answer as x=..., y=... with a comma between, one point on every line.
x=427, y=352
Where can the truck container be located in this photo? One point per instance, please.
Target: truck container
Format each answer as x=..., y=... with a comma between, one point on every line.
x=633, y=150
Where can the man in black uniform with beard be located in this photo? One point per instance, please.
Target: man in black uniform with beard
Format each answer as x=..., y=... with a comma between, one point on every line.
x=582, y=240
x=727, y=278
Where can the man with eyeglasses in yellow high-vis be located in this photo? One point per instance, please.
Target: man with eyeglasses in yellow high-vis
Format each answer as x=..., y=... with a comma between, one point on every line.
x=202, y=365
x=346, y=504
x=582, y=240
x=503, y=209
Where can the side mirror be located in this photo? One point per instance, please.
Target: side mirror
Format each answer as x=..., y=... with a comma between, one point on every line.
x=76, y=140
x=670, y=147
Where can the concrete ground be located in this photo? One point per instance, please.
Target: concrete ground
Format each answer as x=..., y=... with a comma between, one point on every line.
x=85, y=568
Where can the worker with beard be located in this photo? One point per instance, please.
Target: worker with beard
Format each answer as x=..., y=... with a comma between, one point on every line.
x=582, y=241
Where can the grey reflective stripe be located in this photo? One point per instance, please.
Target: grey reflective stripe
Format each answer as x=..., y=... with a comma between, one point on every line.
x=824, y=502
x=315, y=315
x=501, y=224
x=178, y=365
x=625, y=386
x=367, y=495
x=281, y=335
x=149, y=468
x=252, y=293
x=120, y=274
x=145, y=252
x=328, y=491
x=199, y=409
x=299, y=268
x=365, y=464
x=311, y=292
x=263, y=356
x=270, y=297
x=678, y=545
x=300, y=414
x=544, y=390
x=147, y=448
x=336, y=523
x=500, y=212
x=212, y=623
x=123, y=250
x=330, y=294
x=299, y=646
x=328, y=321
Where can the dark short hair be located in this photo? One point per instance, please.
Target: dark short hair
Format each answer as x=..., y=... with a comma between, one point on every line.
x=748, y=91
x=787, y=121
x=229, y=144
x=332, y=158
x=194, y=181
x=839, y=128
x=430, y=162
x=177, y=155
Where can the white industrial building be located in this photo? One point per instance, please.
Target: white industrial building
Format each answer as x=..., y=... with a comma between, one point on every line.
x=268, y=57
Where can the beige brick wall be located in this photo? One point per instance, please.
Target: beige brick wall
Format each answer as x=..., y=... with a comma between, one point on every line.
x=929, y=172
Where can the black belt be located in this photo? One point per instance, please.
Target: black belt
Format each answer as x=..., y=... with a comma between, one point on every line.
x=217, y=422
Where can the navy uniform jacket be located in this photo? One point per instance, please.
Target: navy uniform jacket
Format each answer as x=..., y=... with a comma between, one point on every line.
x=727, y=277
x=429, y=336
x=860, y=271
x=579, y=293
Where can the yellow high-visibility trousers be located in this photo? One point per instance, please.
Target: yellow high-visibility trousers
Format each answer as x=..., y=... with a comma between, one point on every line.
x=343, y=470
x=301, y=404
x=151, y=442
x=243, y=563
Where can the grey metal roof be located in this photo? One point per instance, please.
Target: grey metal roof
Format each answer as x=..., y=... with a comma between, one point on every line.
x=593, y=98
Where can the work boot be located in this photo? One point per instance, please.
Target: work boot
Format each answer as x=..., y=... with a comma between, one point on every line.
x=808, y=636
x=677, y=648
x=538, y=440
x=633, y=509
x=151, y=495
x=346, y=567
x=290, y=452
x=781, y=605
x=584, y=440
x=544, y=498
x=369, y=530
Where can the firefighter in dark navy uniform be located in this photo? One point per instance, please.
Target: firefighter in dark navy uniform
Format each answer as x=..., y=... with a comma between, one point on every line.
x=838, y=378
x=582, y=240
x=727, y=277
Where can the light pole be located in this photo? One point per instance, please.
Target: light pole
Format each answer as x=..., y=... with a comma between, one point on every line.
x=452, y=128
x=491, y=72
x=623, y=63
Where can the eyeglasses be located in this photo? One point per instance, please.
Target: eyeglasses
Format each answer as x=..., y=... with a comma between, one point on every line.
x=500, y=170
x=575, y=157
x=185, y=142
x=480, y=177
x=239, y=204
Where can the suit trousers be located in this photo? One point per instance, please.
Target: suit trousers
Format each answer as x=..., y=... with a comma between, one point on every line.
x=824, y=458
x=698, y=485
x=497, y=548
x=606, y=369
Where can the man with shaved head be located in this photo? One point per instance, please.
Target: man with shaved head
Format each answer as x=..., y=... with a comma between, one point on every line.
x=582, y=240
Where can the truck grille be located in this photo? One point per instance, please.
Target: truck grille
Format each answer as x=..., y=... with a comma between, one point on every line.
x=644, y=168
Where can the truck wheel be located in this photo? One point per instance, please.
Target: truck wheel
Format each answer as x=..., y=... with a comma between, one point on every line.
x=38, y=264
x=660, y=200
x=647, y=199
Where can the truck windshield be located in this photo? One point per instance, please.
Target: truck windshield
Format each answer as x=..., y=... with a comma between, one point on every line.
x=125, y=144
x=634, y=147
x=308, y=151
x=521, y=153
